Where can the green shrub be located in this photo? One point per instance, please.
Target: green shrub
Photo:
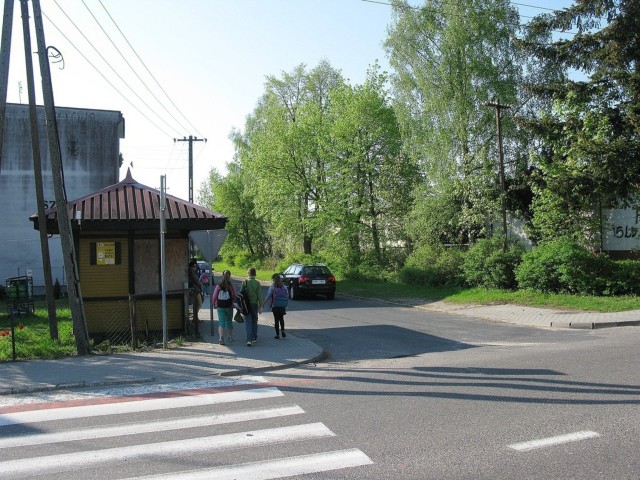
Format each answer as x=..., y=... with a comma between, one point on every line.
x=368, y=273
x=245, y=260
x=625, y=278
x=588, y=274
x=433, y=266
x=57, y=290
x=450, y=268
x=487, y=265
x=564, y=266
x=424, y=276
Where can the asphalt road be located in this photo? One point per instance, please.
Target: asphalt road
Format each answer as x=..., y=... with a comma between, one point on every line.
x=352, y=330
x=439, y=397
x=404, y=394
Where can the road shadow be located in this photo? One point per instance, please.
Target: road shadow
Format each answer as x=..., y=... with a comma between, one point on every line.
x=370, y=342
x=478, y=384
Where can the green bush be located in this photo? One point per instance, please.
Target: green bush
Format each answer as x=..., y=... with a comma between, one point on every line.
x=450, y=268
x=564, y=266
x=487, y=265
x=433, y=266
x=245, y=260
x=625, y=278
x=367, y=273
x=424, y=276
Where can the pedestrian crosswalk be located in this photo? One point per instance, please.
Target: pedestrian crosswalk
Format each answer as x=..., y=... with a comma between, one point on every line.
x=157, y=431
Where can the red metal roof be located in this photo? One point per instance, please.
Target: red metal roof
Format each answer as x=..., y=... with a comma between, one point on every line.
x=131, y=205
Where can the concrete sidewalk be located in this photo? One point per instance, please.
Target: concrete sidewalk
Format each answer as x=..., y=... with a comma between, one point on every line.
x=205, y=358
x=202, y=359
x=537, y=317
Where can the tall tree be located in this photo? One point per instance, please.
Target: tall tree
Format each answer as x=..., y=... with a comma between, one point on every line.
x=450, y=58
x=282, y=151
x=371, y=182
x=232, y=196
x=592, y=155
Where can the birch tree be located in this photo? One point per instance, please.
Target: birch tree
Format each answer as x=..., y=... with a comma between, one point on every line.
x=449, y=59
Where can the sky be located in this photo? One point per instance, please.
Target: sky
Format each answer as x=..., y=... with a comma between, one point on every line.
x=196, y=67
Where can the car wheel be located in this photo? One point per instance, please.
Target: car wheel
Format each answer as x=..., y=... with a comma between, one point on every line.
x=331, y=296
x=294, y=293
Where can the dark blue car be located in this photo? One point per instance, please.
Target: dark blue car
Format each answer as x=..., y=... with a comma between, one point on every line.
x=308, y=280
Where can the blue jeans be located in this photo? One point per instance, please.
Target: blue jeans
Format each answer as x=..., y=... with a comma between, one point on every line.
x=251, y=323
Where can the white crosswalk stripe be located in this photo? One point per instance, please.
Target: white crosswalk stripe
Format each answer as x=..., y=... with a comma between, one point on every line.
x=67, y=413
x=167, y=449
x=282, y=467
x=147, y=427
x=34, y=416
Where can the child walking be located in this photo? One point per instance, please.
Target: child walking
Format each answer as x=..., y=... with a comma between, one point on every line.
x=252, y=290
x=277, y=300
x=222, y=301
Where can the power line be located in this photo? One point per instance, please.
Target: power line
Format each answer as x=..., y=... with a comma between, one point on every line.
x=111, y=67
x=379, y=2
x=131, y=67
x=149, y=71
x=105, y=78
x=535, y=6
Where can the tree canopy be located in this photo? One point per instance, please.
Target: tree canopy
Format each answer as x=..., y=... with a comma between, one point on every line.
x=365, y=174
x=590, y=157
x=449, y=59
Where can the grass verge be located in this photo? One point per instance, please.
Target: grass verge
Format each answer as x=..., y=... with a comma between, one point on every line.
x=32, y=340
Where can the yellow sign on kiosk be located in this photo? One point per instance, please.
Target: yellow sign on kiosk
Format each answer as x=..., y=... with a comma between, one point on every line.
x=105, y=253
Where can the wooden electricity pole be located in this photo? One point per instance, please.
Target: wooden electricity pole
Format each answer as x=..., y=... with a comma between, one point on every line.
x=503, y=193
x=37, y=172
x=5, y=56
x=191, y=139
x=80, y=330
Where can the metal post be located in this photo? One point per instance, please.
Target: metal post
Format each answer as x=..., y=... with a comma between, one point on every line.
x=211, y=287
x=163, y=202
x=13, y=334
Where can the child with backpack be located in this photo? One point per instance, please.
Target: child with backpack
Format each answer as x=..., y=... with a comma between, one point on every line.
x=204, y=281
x=222, y=301
x=277, y=299
x=252, y=291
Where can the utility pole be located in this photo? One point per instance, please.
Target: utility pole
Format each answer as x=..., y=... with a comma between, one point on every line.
x=5, y=56
x=503, y=193
x=37, y=173
x=80, y=330
x=191, y=139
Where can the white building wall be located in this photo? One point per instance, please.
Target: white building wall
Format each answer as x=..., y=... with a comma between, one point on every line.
x=90, y=148
x=621, y=229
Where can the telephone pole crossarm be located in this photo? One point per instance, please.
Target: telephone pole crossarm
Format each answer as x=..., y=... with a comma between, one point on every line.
x=191, y=139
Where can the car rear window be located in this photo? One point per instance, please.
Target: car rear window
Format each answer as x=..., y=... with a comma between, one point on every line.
x=317, y=270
